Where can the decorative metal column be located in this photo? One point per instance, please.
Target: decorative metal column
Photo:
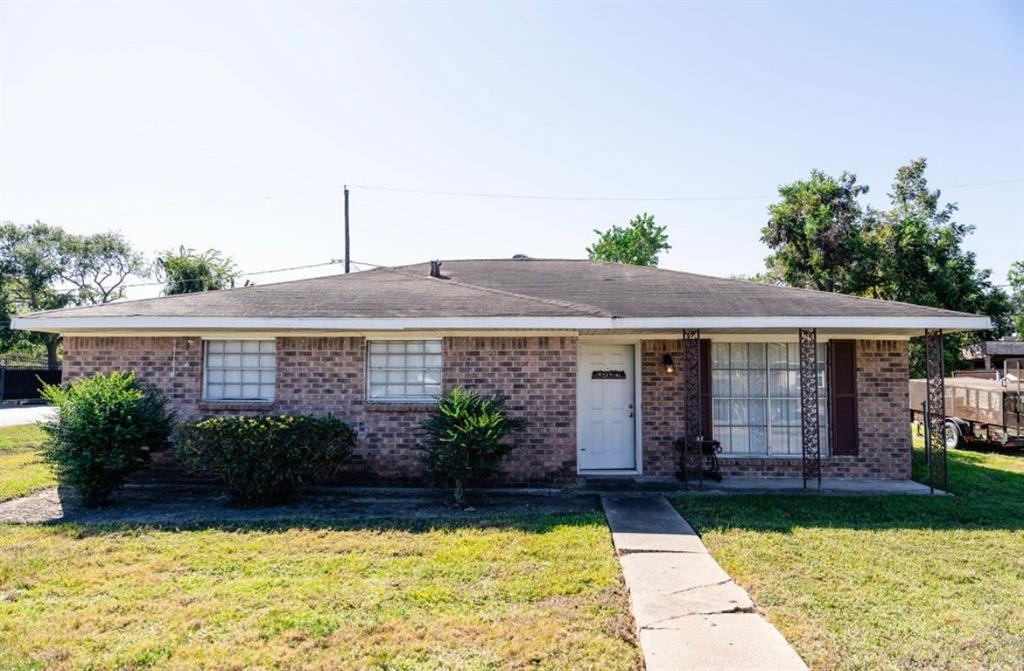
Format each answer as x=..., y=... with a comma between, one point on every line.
x=935, y=411
x=810, y=429
x=691, y=382
x=692, y=456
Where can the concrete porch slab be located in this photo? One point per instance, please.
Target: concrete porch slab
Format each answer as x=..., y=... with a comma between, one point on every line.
x=751, y=485
x=868, y=486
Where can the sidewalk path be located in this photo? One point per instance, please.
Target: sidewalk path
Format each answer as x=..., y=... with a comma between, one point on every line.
x=688, y=611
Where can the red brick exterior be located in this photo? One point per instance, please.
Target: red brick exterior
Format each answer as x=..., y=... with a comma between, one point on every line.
x=538, y=374
x=661, y=406
x=328, y=375
x=883, y=433
x=539, y=377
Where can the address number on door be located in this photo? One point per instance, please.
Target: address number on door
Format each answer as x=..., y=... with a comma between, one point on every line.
x=608, y=375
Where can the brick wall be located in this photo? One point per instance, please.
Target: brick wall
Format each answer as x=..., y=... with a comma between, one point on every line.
x=883, y=424
x=327, y=375
x=661, y=406
x=539, y=376
x=320, y=375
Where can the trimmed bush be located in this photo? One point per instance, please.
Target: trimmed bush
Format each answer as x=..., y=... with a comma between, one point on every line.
x=263, y=459
x=465, y=435
x=105, y=429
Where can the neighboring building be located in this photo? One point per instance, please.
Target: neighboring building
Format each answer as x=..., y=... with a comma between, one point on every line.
x=993, y=354
x=590, y=354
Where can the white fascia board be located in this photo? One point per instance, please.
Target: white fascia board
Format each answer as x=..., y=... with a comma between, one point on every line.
x=968, y=323
x=58, y=323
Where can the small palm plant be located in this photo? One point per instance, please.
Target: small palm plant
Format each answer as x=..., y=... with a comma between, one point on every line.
x=466, y=438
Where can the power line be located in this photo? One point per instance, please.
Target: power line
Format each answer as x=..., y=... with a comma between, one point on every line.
x=475, y=194
x=67, y=291
x=1015, y=180
x=520, y=196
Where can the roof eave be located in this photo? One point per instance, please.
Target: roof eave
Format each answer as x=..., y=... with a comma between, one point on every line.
x=900, y=325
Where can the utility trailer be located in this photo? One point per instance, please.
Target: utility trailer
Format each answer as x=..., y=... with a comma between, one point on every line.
x=978, y=410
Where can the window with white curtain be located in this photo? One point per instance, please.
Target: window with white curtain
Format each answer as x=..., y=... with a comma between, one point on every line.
x=755, y=389
x=239, y=370
x=404, y=370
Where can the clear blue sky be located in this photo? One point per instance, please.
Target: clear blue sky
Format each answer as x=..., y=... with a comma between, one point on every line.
x=173, y=123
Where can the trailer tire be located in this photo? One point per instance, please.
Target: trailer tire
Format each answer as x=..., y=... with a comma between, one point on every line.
x=952, y=435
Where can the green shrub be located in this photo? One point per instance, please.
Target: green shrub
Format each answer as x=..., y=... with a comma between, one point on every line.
x=106, y=427
x=465, y=435
x=264, y=459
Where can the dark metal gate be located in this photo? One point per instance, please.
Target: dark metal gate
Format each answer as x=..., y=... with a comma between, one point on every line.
x=25, y=384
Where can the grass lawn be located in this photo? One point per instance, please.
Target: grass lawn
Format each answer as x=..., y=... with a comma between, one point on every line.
x=22, y=470
x=885, y=582
x=541, y=591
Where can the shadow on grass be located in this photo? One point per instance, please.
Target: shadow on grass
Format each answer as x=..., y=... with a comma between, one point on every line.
x=984, y=496
x=190, y=509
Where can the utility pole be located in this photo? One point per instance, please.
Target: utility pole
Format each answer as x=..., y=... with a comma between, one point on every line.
x=346, y=230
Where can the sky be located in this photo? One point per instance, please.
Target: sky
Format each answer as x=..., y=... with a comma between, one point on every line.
x=234, y=125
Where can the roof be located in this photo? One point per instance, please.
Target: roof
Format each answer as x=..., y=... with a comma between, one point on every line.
x=1005, y=347
x=507, y=293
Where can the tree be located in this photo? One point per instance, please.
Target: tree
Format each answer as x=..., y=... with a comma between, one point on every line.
x=187, y=271
x=44, y=267
x=822, y=238
x=920, y=259
x=1016, y=279
x=816, y=234
x=98, y=265
x=638, y=244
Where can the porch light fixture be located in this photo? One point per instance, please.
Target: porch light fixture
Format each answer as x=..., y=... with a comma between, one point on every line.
x=666, y=361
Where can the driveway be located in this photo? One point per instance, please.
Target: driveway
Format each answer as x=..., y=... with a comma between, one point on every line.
x=25, y=414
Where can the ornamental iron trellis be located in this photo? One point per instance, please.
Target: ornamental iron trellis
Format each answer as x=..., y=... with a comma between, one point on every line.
x=810, y=429
x=692, y=452
x=935, y=411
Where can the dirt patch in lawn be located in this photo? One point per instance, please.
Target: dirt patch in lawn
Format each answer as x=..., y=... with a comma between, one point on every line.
x=188, y=505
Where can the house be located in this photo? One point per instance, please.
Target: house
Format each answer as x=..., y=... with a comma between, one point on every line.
x=608, y=364
x=992, y=356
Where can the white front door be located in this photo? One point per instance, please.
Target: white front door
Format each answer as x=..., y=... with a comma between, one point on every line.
x=607, y=436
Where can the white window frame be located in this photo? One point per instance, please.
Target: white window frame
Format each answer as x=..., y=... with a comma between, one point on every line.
x=267, y=347
x=768, y=397
x=383, y=369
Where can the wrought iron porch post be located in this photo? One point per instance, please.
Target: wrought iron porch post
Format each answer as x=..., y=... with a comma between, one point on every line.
x=691, y=382
x=810, y=429
x=693, y=456
x=935, y=411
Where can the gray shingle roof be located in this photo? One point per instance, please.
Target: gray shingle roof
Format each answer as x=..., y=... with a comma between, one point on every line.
x=507, y=288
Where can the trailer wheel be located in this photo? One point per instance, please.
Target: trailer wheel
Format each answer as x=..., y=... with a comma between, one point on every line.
x=953, y=436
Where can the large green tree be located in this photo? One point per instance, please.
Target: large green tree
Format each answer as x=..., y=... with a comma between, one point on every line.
x=816, y=234
x=185, y=271
x=821, y=237
x=639, y=243
x=1016, y=280
x=44, y=267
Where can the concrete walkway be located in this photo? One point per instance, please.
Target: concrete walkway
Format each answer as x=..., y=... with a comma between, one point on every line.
x=689, y=613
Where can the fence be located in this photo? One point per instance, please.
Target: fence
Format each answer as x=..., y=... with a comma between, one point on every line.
x=22, y=379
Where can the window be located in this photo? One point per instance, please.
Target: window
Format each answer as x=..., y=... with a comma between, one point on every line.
x=755, y=390
x=404, y=370
x=239, y=370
